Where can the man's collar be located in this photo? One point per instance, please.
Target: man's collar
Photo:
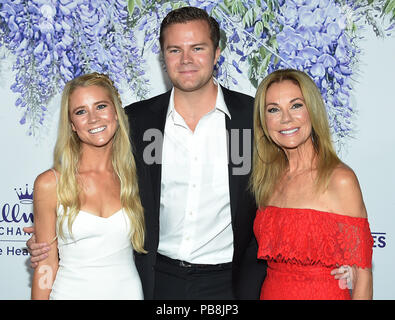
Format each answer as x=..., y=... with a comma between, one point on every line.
x=219, y=102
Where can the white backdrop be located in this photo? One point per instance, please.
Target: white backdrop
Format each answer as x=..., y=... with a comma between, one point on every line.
x=370, y=154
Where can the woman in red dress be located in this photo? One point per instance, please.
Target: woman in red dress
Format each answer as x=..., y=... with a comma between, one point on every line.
x=311, y=215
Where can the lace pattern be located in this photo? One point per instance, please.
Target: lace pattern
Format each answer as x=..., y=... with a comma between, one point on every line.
x=312, y=237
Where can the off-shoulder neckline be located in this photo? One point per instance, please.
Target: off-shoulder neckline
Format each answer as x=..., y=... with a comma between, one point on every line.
x=315, y=210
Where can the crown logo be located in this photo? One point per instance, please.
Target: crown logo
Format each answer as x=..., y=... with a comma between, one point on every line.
x=25, y=198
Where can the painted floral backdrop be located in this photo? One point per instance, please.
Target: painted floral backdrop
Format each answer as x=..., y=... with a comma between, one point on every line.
x=52, y=42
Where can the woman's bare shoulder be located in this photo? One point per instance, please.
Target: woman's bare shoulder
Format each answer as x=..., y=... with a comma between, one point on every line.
x=345, y=192
x=343, y=176
x=45, y=183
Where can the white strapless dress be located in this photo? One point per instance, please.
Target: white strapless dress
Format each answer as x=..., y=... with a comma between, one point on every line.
x=97, y=261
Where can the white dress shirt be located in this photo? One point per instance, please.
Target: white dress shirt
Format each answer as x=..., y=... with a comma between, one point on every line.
x=195, y=217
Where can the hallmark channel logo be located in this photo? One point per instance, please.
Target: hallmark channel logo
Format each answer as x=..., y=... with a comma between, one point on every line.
x=25, y=198
x=13, y=213
x=379, y=239
x=14, y=217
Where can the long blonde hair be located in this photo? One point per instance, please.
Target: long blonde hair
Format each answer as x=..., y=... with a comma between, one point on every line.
x=68, y=151
x=269, y=160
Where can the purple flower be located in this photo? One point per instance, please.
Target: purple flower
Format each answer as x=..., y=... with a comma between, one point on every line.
x=314, y=39
x=55, y=41
x=234, y=63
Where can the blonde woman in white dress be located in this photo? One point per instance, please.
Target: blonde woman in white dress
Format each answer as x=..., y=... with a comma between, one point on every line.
x=88, y=205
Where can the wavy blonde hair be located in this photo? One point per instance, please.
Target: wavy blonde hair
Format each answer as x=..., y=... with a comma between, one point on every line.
x=68, y=151
x=269, y=160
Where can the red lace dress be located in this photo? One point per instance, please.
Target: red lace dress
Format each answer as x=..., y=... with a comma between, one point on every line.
x=302, y=246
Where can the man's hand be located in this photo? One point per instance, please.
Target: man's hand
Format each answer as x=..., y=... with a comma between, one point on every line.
x=346, y=276
x=38, y=251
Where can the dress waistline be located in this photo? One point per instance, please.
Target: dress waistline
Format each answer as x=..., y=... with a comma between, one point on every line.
x=294, y=271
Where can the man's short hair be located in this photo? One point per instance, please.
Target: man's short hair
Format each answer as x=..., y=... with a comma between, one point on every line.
x=186, y=14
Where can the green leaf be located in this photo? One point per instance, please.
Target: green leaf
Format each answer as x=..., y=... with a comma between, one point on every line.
x=389, y=7
x=224, y=7
x=258, y=28
x=237, y=7
x=131, y=6
x=223, y=40
x=267, y=17
x=254, y=82
x=178, y=4
x=249, y=18
x=242, y=8
x=233, y=9
x=228, y=3
x=269, y=5
x=262, y=52
x=265, y=64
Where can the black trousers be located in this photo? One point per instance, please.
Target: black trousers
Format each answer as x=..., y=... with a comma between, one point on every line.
x=175, y=282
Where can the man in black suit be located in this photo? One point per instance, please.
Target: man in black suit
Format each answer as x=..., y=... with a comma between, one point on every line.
x=193, y=151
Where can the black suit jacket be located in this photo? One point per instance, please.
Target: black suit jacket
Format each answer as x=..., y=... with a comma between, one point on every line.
x=147, y=123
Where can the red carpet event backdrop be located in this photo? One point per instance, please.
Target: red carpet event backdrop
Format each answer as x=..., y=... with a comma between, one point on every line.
x=347, y=47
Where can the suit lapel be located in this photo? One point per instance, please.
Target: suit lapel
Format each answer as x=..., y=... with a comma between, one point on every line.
x=157, y=121
x=232, y=124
